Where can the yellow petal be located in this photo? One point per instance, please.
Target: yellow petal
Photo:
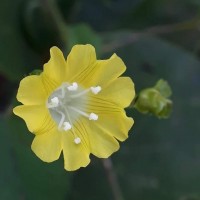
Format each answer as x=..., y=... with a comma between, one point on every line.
x=48, y=146
x=116, y=124
x=37, y=117
x=104, y=72
x=80, y=61
x=121, y=92
x=55, y=69
x=102, y=144
x=111, y=117
x=75, y=155
x=82, y=67
x=31, y=91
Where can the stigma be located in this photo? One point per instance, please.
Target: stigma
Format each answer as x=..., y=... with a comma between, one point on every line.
x=67, y=103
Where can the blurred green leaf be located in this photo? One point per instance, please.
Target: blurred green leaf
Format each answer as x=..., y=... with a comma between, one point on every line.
x=83, y=34
x=39, y=28
x=16, y=59
x=10, y=184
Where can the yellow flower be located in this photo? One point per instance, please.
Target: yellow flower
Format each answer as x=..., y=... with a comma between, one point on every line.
x=76, y=106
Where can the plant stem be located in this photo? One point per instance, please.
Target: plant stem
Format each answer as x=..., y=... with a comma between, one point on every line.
x=131, y=36
x=112, y=179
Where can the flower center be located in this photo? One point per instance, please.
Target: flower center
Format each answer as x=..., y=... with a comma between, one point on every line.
x=67, y=103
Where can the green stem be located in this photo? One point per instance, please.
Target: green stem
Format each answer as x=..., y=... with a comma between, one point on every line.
x=112, y=179
x=155, y=30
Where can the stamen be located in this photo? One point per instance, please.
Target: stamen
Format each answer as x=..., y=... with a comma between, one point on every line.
x=63, y=86
x=73, y=87
x=95, y=90
x=55, y=101
x=80, y=94
x=77, y=140
x=79, y=111
x=62, y=119
x=93, y=116
x=67, y=126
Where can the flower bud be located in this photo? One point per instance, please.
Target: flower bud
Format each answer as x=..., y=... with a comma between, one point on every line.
x=154, y=100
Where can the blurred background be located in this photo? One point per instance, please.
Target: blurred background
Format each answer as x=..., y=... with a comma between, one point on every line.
x=156, y=39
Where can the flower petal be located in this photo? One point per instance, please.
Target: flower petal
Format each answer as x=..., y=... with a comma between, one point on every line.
x=121, y=91
x=55, y=69
x=111, y=117
x=117, y=125
x=37, y=118
x=80, y=61
x=83, y=67
x=104, y=72
x=31, y=91
x=102, y=144
x=48, y=146
x=75, y=155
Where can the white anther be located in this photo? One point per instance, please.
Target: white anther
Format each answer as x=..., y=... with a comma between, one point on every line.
x=77, y=140
x=95, y=90
x=93, y=116
x=55, y=101
x=73, y=87
x=67, y=126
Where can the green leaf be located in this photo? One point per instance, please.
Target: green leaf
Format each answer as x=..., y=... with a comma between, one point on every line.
x=83, y=34
x=10, y=178
x=16, y=58
x=39, y=27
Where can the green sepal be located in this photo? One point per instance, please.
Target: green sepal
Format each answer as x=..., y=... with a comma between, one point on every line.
x=36, y=72
x=163, y=87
